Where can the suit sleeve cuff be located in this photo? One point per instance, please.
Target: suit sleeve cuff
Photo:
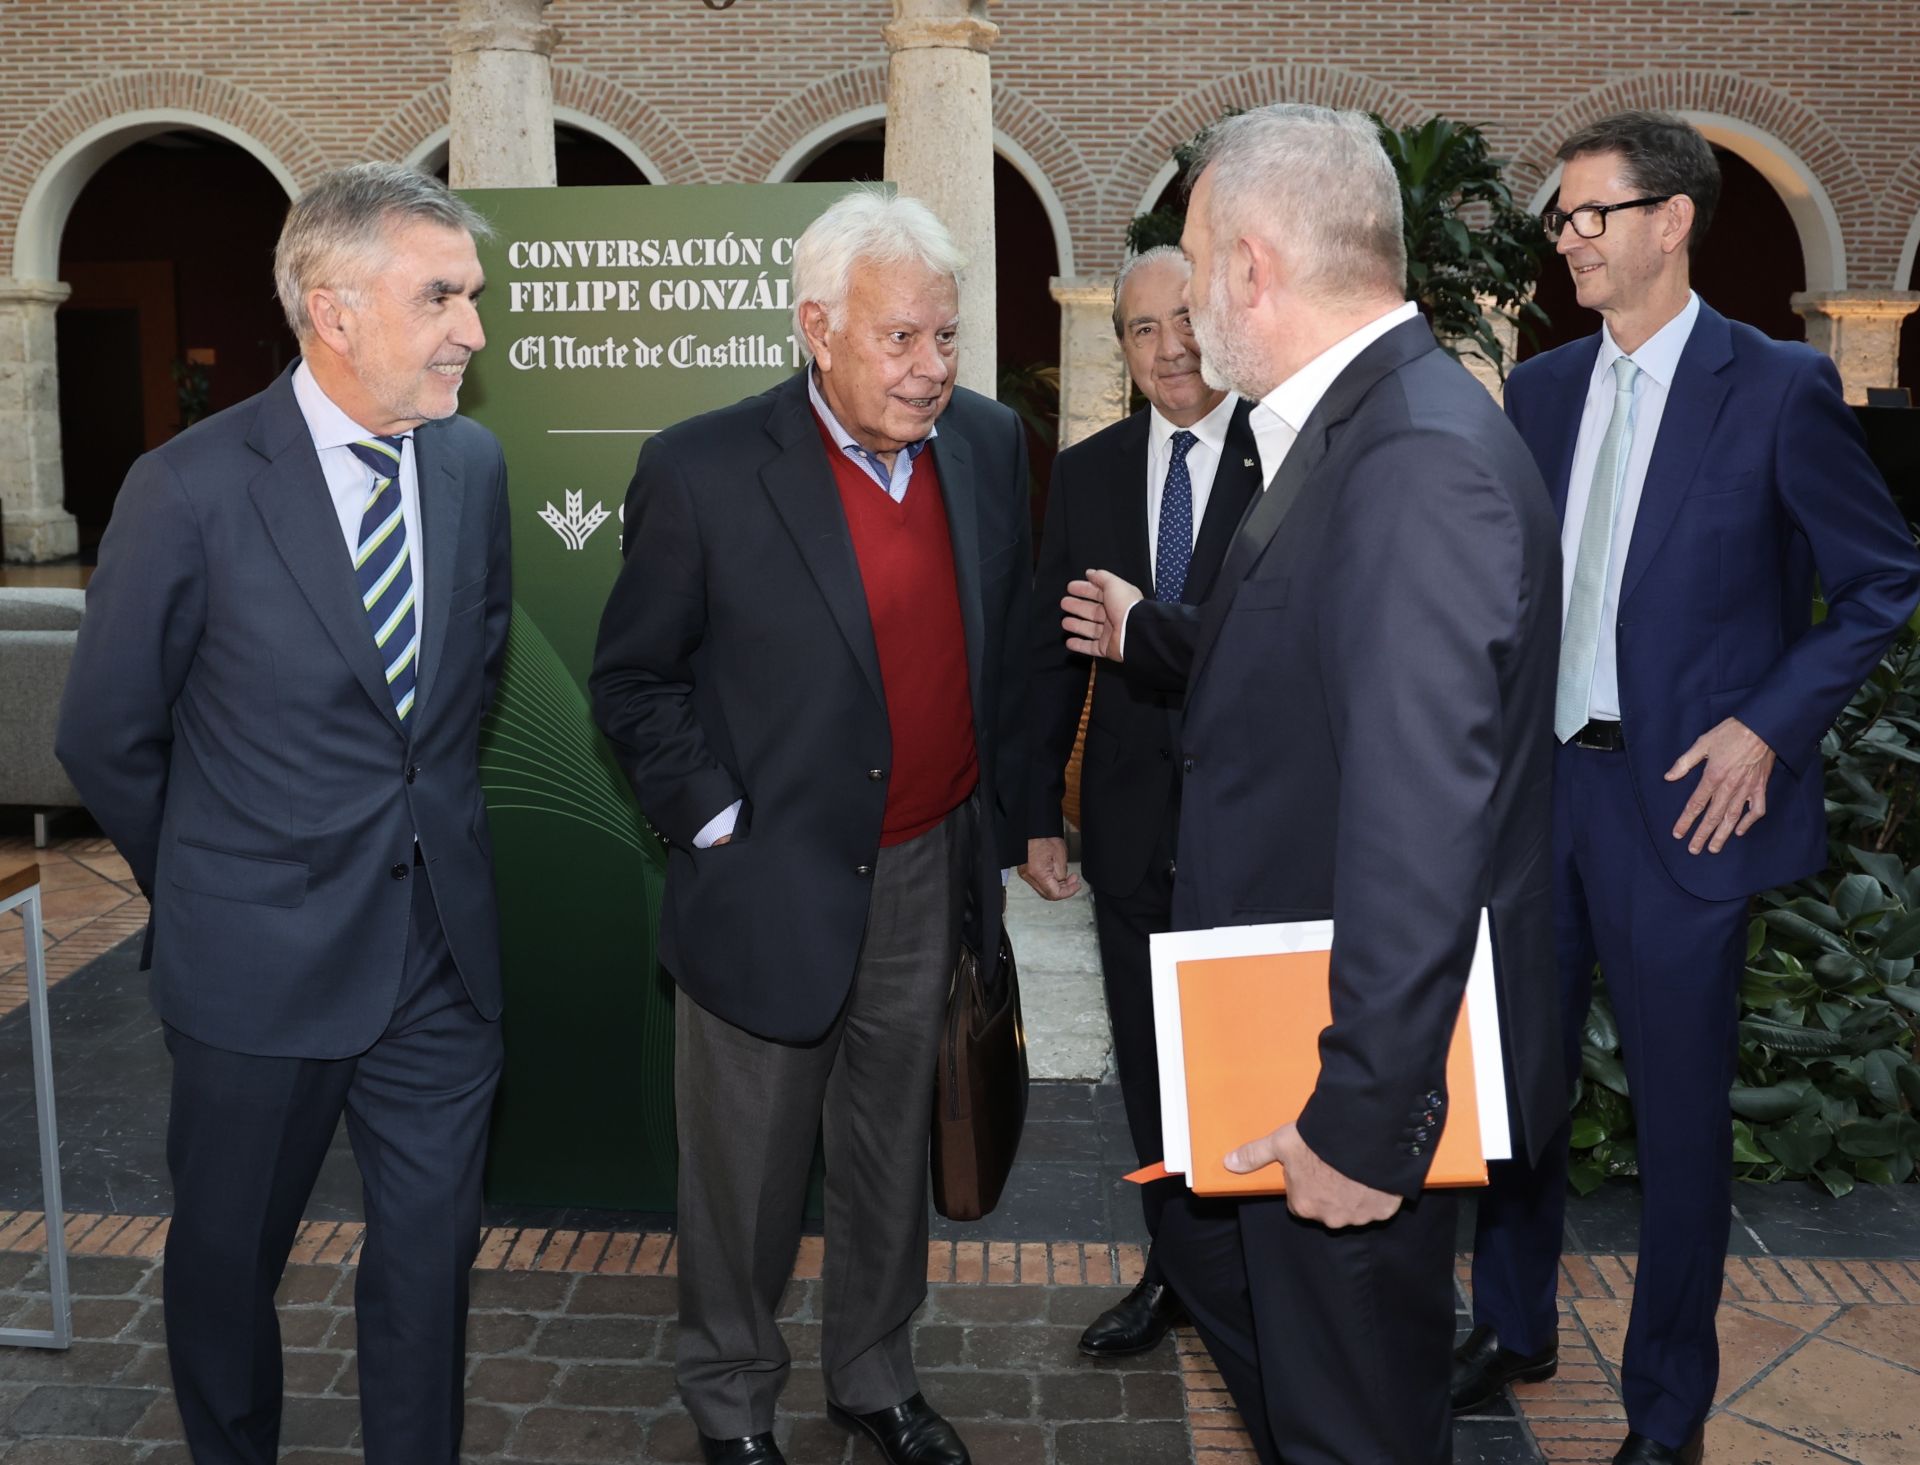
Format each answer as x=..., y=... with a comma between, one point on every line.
x=719, y=827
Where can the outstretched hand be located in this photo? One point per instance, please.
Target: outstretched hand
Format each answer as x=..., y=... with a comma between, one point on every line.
x=1096, y=613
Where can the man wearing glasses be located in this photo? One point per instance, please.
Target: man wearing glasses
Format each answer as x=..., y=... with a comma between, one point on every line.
x=1706, y=476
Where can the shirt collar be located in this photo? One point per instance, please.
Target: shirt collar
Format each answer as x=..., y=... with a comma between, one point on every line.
x=1211, y=429
x=1659, y=355
x=1295, y=398
x=843, y=439
x=330, y=427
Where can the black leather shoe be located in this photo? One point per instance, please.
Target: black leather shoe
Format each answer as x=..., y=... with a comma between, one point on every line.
x=1482, y=1368
x=1135, y=1323
x=1639, y=1450
x=910, y=1433
x=749, y=1449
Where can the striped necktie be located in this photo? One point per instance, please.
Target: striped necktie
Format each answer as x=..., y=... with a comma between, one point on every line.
x=383, y=565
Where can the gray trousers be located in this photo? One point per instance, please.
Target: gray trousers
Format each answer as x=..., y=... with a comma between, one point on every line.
x=749, y=1109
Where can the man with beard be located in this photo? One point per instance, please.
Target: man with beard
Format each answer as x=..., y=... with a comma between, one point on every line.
x=1369, y=692
x=1156, y=496
x=813, y=668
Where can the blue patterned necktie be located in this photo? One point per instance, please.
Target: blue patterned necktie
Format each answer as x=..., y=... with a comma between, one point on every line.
x=1174, y=550
x=1580, y=640
x=383, y=565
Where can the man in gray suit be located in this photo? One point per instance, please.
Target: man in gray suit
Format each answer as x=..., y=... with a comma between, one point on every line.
x=274, y=708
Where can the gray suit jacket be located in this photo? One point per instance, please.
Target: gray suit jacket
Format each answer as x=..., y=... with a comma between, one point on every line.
x=228, y=723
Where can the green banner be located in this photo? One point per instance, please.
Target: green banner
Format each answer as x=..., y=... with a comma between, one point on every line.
x=610, y=313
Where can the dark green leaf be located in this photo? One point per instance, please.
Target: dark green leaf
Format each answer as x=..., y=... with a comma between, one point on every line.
x=1604, y=1069
x=1871, y=1138
x=1838, y=1182
x=1859, y=895
x=1587, y=1134
x=1885, y=868
x=1902, y=939
x=1765, y=1104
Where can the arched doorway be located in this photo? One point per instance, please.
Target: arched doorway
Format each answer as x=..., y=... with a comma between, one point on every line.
x=1749, y=265
x=169, y=250
x=1026, y=258
x=586, y=154
x=1909, y=376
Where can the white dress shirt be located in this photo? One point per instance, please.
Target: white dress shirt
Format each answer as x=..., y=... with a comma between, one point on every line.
x=1203, y=463
x=1657, y=359
x=1277, y=421
x=1277, y=418
x=349, y=480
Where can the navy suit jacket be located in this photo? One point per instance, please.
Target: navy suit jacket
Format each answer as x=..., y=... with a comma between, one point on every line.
x=1758, y=483
x=736, y=661
x=227, y=720
x=1097, y=515
x=1369, y=738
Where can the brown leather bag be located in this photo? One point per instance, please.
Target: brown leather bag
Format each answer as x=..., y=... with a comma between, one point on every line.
x=980, y=1089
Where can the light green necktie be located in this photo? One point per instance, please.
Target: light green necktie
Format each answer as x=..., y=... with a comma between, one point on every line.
x=1580, y=640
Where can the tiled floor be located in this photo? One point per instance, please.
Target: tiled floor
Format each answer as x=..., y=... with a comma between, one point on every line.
x=1820, y=1319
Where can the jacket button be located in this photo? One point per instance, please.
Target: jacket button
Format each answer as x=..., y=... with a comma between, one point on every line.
x=1186, y=765
x=1416, y=1151
x=413, y=772
x=399, y=872
x=876, y=774
x=863, y=869
x=1166, y=756
x=1435, y=1099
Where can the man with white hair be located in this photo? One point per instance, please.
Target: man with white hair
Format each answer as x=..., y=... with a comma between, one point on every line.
x=813, y=669
x=1367, y=738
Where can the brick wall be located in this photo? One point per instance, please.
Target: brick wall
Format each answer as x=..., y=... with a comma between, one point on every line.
x=1095, y=91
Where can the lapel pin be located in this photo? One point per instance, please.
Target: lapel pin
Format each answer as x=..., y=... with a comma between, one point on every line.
x=1248, y=463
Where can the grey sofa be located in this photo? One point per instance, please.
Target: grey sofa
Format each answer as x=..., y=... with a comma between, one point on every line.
x=38, y=628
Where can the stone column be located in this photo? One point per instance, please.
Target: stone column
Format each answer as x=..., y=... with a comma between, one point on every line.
x=33, y=523
x=1093, y=373
x=1860, y=330
x=940, y=149
x=500, y=112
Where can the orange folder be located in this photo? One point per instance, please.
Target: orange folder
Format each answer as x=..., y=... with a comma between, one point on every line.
x=1250, y=1029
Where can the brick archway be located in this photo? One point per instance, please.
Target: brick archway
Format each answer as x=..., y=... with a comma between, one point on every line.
x=53, y=157
x=1803, y=158
x=1901, y=208
x=1145, y=169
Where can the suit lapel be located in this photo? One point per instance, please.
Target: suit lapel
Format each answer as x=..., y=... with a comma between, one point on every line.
x=953, y=456
x=290, y=494
x=1402, y=344
x=1693, y=400
x=440, y=505
x=1235, y=484
x=1569, y=404
x=800, y=483
x=1132, y=447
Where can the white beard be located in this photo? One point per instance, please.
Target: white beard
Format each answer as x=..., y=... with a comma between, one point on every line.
x=1229, y=359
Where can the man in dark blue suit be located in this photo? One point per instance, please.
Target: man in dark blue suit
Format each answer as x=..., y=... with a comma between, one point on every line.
x=1368, y=692
x=1705, y=475
x=274, y=711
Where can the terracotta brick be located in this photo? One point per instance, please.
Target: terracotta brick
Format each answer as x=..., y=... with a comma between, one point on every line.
x=812, y=1258
x=1067, y=1268
x=525, y=1248
x=586, y=1256
x=309, y=1239
x=494, y=1246
x=619, y=1253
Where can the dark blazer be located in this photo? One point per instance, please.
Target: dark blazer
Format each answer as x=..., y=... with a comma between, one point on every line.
x=1369, y=737
x=228, y=722
x=736, y=661
x=1759, y=481
x=1097, y=515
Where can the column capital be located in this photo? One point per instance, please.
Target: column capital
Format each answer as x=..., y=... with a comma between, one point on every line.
x=1861, y=305
x=502, y=25
x=33, y=292
x=950, y=25
x=1082, y=291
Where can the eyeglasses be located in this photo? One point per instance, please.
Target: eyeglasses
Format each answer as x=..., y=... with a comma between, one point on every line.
x=1590, y=222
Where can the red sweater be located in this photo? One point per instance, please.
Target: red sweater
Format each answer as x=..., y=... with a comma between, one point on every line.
x=913, y=601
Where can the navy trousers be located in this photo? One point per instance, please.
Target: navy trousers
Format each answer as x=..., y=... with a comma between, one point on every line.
x=245, y=1139
x=1672, y=963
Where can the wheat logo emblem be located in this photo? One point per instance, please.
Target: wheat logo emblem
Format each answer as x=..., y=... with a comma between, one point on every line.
x=576, y=526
